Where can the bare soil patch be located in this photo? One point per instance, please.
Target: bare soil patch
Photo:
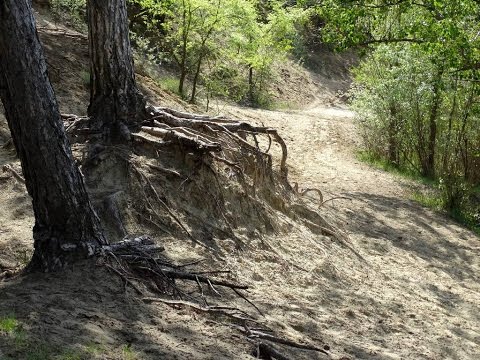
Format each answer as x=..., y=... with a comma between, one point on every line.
x=416, y=294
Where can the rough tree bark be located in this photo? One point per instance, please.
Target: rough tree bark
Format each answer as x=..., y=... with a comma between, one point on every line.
x=116, y=104
x=66, y=226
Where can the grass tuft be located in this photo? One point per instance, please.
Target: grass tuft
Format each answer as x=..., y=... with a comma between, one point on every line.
x=8, y=324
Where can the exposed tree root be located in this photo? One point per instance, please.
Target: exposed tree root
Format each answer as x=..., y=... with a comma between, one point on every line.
x=215, y=162
x=8, y=273
x=229, y=312
x=262, y=338
x=212, y=134
x=16, y=175
x=255, y=334
x=138, y=260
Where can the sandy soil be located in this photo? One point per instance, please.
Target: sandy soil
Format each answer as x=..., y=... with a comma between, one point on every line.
x=402, y=283
x=409, y=290
x=416, y=295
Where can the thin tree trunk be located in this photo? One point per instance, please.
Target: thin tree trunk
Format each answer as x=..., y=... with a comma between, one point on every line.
x=116, y=104
x=66, y=226
x=251, y=85
x=186, y=23
x=181, y=82
x=195, y=79
x=392, y=130
x=429, y=167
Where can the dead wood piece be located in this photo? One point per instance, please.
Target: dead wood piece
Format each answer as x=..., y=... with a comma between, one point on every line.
x=16, y=175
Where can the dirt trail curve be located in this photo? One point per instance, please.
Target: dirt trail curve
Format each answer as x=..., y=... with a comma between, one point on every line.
x=418, y=296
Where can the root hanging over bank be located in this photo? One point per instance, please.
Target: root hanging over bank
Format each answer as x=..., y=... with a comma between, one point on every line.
x=202, y=177
x=221, y=184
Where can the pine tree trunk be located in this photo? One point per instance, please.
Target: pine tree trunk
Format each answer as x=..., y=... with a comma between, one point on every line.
x=116, y=104
x=66, y=226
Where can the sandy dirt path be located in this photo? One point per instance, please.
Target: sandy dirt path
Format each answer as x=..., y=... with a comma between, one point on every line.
x=406, y=285
x=417, y=294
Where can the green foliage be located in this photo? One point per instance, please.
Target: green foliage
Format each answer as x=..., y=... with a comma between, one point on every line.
x=417, y=92
x=128, y=353
x=169, y=83
x=13, y=330
x=85, y=75
x=417, y=115
x=431, y=199
x=19, y=345
x=406, y=172
x=225, y=45
x=72, y=12
x=8, y=324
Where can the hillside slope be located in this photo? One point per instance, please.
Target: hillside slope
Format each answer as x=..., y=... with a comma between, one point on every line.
x=403, y=283
x=416, y=293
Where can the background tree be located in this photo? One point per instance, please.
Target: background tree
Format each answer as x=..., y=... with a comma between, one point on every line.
x=229, y=46
x=116, y=104
x=417, y=91
x=66, y=226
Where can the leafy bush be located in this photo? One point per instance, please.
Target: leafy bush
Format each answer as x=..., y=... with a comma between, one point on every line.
x=204, y=38
x=419, y=116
